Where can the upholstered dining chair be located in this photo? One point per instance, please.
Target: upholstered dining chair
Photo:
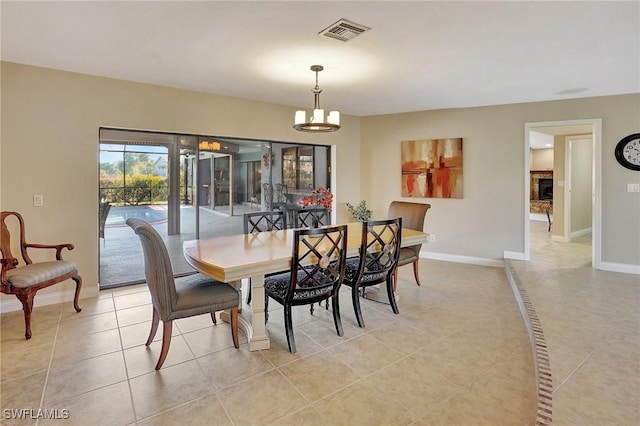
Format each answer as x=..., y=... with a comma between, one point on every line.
x=182, y=297
x=263, y=222
x=318, y=265
x=24, y=278
x=376, y=263
x=412, y=215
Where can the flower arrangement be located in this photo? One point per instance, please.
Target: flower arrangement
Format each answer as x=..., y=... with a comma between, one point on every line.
x=360, y=212
x=320, y=197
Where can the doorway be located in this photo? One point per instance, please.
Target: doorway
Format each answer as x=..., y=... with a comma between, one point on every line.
x=564, y=132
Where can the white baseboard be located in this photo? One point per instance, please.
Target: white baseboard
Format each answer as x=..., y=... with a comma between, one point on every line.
x=515, y=255
x=462, y=259
x=620, y=267
x=580, y=233
x=42, y=299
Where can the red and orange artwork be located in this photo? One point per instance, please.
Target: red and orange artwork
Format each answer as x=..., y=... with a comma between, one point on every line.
x=432, y=168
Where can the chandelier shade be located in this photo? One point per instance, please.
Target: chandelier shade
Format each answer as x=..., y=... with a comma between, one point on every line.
x=316, y=122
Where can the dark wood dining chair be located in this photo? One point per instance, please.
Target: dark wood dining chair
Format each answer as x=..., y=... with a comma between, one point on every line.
x=413, y=215
x=312, y=217
x=174, y=298
x=262, y=222
x=376, y=263
x=318, y=263
x=24, y=278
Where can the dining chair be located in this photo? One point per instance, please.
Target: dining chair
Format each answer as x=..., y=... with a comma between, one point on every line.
x=24, y=278
x=318, y=263
x=312, y=217
x=412, y=215
x=376, y=263
x=262, y=222
x=174, y=298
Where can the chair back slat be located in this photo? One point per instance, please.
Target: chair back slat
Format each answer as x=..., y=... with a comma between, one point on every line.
x=379, y=248
x=6, y=242
x=158, y=270
x=264, y=221
x=312, y=217
x=319, y=257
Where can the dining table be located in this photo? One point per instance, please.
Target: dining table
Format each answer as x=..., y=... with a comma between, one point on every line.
x=231, y=259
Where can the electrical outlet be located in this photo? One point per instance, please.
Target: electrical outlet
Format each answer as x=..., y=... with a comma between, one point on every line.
x=38, y=201
x=432, y=238
x=633, y=187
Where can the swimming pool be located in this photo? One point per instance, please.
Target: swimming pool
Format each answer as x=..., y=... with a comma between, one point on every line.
x=152, y=214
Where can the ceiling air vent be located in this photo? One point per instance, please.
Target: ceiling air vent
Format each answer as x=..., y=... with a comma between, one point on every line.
x=344, y=30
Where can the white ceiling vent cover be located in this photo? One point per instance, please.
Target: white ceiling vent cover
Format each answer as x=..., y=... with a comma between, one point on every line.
x=344, y=30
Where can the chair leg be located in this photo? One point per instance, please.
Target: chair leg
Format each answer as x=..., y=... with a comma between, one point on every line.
x=213, y=318
x=166, y=342
x=154, y=327
x=391, y=295
x=234, y=326
x=355, y=298
x=249, y=293
x=416, y=272
x=27, y=307
x=288, y=325
x=78, y=281
x=395, y=280
x=335, y=303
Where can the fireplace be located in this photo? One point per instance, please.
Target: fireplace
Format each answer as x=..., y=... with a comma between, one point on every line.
x=545, y=189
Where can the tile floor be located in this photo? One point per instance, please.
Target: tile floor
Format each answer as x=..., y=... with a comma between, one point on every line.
x=458, y=354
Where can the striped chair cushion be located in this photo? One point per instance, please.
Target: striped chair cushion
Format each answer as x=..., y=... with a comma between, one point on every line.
x=37, y=273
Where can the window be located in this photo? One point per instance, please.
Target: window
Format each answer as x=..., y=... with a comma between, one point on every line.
x=297, y=167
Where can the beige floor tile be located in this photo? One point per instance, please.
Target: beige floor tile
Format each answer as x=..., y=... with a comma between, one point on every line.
x=81, y=326
x=279, y=354
x=201, y=411
x=277, y=398
x=403, y=336
x=308, y=416
x=410, y=384
x=90, y=306
x=134, y=315
x=230, y=366
x=142, y=359
x=212, y=339
x=137, y=334
x=198, y=322
x=24, y=362
x=22, y=393
x=106, y=406
x=362, y=404
x=132, y=300
x=72, y=348
x=365, y=354
x=168, y=388
x=318, y=375
x=69, y=379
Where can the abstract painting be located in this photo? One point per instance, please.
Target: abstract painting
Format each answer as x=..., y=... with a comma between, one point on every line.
x=432, y=168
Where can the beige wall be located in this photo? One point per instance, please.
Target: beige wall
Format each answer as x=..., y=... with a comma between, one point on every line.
x=489, y=219
x=49, y=145
x=581, y=184
x=542, y=159
x=559, y=181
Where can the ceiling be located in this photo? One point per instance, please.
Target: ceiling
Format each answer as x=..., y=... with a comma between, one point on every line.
x=417, y=56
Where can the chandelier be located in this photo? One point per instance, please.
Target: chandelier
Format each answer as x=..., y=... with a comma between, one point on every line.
x=317, y=122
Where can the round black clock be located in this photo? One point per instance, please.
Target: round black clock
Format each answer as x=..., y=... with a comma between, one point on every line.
x=628, y=152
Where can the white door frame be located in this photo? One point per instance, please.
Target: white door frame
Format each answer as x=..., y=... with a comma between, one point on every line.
x=596, y=217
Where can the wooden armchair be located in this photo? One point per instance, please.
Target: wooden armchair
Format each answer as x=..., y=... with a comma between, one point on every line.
x=25, y=278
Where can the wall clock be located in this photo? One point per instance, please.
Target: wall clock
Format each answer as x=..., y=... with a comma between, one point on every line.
x=628, y=152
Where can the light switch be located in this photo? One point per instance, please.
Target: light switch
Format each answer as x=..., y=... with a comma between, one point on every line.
x=38, y=200
x=633, y=187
